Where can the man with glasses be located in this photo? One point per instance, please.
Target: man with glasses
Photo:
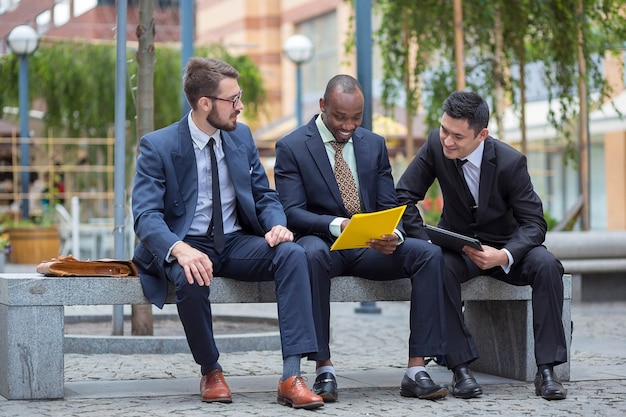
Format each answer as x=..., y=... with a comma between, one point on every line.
x=203, y=207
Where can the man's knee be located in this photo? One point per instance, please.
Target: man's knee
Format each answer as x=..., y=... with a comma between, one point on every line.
x=317, y=251
x=186, y=292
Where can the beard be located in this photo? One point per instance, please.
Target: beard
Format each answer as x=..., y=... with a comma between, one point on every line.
x=214, y=119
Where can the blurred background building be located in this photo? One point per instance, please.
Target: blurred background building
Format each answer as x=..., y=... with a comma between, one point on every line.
x=259, y=29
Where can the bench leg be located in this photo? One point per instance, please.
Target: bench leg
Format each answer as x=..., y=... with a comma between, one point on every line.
x=31, y=352
x=503, y=332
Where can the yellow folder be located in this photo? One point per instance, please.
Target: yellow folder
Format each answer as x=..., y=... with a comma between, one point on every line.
x=366, y=226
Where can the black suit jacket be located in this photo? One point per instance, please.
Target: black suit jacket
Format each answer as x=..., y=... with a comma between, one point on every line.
x=509, y=213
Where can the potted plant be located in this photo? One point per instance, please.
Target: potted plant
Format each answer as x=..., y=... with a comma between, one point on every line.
x=32, y=240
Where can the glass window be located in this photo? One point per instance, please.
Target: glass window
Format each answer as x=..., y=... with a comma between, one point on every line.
x=322, y=30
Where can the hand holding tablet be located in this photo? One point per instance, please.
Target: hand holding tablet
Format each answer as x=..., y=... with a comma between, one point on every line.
x=451, y=240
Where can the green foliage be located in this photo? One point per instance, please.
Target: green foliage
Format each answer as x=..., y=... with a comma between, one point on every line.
x=551, y=221
x=76, y=82
x=406, y=23
x=416, y=38
x=432, y=205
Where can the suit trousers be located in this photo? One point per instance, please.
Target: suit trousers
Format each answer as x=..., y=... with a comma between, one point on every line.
x=539, y=269
x=248, y=258
x=417, y=260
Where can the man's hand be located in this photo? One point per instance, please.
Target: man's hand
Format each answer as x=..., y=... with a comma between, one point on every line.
x=197, y=265
x=488, y=258
x=386, y=245
x=278, y=234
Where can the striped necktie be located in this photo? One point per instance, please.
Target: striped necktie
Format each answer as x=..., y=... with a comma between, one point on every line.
x=345, y=181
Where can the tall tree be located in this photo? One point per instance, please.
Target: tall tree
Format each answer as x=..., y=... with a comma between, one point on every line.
x=459, y=49
x=142, y=320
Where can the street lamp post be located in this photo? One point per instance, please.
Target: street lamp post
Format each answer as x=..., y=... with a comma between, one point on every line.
x=23, y=41
x=299, y=49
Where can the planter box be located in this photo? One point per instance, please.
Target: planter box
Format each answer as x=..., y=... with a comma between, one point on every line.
x=31, y=245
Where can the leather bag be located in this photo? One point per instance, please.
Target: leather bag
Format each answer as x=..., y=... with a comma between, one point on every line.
x=68, y=266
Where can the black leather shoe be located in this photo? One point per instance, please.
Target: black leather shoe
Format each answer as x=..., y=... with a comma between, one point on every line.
x=326, y=387
x=423, y=387
x=548, y=386
x=464, y=384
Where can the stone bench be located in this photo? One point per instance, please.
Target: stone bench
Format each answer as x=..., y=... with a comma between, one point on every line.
x=596, y=259
x=32, y=321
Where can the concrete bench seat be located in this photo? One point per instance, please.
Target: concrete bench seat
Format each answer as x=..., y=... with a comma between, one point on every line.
x=32, y=321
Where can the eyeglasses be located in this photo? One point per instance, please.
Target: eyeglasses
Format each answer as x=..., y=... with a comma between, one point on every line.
x=233, y=100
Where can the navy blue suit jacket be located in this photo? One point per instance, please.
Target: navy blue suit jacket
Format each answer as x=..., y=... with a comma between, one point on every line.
x=305, y=179
x=165, y=194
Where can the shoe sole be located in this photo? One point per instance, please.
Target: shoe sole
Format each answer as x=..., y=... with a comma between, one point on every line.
x=328, y=397
x=307, y=406
x=467, y=396
x=436, y=395
x=218, y=400
x=551, y=397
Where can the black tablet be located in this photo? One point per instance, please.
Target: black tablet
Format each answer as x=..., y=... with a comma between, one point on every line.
x=451, y=240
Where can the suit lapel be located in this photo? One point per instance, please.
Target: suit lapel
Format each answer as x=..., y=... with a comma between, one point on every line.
x=186, y=168
x=363, y=156
x=487, y=174
x=236, y=160
x=316, y=148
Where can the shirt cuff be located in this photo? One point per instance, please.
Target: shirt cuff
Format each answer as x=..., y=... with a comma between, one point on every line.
x=400, y=236
x=507, y=268
x=168, y=257
x=335, y=226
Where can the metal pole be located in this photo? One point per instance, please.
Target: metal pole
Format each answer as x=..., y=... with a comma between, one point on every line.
x=363, y=29
x=120, y=151
x=187, y=31
x=299, y=94
x=24, y=132
x=363, y=17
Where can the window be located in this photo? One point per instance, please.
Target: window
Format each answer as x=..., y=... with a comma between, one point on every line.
x=322, y=31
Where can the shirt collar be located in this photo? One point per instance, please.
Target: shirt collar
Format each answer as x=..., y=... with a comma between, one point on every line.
x=326, y=135
x=476, y=157
x=200, y=138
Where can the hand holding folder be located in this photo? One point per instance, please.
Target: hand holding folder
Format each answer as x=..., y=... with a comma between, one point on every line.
x=364, y=227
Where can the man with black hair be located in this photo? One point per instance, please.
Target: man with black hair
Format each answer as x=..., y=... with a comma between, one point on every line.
x=488, y=195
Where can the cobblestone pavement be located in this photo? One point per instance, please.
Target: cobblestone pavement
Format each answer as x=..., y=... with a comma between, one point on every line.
x=369, y=352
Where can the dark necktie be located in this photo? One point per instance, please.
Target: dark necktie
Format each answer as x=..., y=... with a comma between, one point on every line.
x=468, y=193
x=345, y=181
x=216, y=227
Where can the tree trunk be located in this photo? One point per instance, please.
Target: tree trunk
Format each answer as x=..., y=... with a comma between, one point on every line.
x=498, y=72
x=142, y=320
x=583, y=127
x=409, y=149
x=458, y=45
x=522, y=98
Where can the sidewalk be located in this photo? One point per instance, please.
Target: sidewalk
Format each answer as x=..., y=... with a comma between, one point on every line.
x=369, y=352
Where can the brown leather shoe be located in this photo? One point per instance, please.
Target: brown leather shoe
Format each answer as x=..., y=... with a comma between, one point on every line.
x=294, y=392
x=214, y=388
